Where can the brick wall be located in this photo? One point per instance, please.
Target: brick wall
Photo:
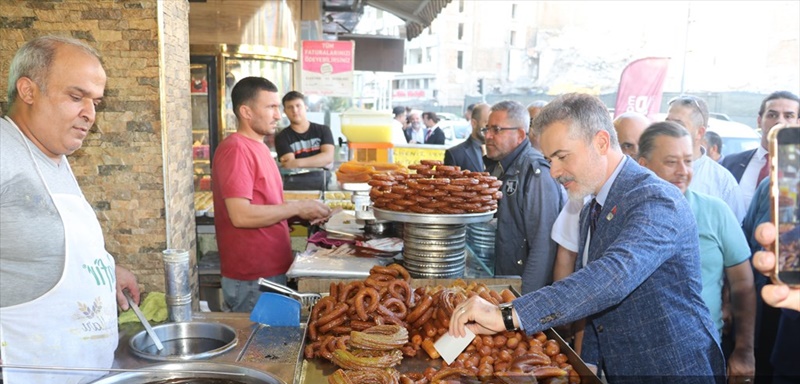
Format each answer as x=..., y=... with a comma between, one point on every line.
x=135, y=166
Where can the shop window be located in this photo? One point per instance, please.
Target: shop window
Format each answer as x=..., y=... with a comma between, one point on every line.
x=513, y=11
x=460, y=6
x=512, y=38
x=460, y=61
x=460, y=31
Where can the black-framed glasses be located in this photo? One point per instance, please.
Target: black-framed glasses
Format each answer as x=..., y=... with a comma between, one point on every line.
x=495, y=129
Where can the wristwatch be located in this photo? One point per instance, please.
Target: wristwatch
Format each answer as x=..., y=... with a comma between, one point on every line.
x=508, y=318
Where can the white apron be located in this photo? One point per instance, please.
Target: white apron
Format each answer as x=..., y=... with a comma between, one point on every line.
x=75, y=323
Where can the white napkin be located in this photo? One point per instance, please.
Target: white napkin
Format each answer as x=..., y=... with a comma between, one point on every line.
x=450, y=347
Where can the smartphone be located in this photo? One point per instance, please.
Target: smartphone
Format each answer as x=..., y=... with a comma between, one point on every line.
x=785, y=200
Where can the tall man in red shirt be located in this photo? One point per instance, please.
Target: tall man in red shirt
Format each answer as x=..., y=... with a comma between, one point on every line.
x=251, y=216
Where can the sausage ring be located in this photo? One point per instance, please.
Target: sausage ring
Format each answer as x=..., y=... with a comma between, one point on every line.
x=452, y=211
x=361, y=308
x=380, y=183
x=431, y=162
x=405, y=202
x=489, y=191
x=454, y=188
x=337, y=312
x=395, y=207
x=418, y=167
x=464, y=181
x=419, y=209
x=423, y=306
x=440, y=181
x=403, y=273
x=345, y=293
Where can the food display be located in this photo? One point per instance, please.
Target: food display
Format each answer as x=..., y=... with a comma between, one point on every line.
x=368, y=328
x=361, y=172
x=436, y=188
x=203, y=201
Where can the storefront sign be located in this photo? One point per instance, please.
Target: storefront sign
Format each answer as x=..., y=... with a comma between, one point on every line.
x=327, y=68
x=409, y=94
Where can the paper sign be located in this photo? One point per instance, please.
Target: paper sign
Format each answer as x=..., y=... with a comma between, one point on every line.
x=450, y=347
x=327, y=68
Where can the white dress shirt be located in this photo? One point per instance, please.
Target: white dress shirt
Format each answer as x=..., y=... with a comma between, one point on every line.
x=749, y=180
x=713, y=179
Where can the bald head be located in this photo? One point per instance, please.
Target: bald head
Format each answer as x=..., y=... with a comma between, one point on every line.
x=629, y=127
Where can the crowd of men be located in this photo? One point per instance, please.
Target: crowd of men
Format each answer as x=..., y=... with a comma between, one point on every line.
x=656, y=230
x=629, y=228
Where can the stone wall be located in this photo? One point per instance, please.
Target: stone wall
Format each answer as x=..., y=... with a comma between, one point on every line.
x=135, y=165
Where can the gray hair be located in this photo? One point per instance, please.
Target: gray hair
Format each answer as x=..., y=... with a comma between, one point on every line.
x=585, y=114
x=662, y=128
x=698, y=106
x=537, y=104
x=515, y=112
x=34, y=59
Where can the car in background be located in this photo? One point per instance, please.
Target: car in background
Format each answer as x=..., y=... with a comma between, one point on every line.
x=736, y=137
x=448, y=116
x=455, y=131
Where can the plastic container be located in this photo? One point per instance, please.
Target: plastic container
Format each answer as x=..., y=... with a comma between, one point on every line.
x=366, y=126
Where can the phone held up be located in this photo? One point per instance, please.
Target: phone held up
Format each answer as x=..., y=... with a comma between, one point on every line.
x=784, y=189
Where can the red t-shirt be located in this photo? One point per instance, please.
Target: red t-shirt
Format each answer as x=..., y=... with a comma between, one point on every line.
x=244, y=168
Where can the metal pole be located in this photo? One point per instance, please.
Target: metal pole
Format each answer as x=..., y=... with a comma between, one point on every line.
x=686, y=44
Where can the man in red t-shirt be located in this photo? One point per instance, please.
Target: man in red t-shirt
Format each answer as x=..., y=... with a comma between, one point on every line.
x=251, y=216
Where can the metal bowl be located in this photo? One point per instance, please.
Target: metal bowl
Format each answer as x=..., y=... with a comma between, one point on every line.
x=185, y=341
x=191, y=372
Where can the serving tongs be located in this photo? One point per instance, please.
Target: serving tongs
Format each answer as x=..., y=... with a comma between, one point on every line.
x=307, y=299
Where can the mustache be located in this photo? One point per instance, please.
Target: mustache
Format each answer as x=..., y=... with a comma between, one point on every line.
x=565, y=179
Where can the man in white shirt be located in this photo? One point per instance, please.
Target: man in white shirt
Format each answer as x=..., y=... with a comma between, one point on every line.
x=750, y=167
x=709, y=176
x=399, y=126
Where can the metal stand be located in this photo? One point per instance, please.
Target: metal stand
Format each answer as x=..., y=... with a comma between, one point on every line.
x=434, y=245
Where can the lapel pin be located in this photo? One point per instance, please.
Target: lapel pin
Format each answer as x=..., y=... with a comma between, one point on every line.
x=611, y=214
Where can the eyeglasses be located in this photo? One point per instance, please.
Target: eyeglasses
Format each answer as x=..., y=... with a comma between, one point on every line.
x=496, y=129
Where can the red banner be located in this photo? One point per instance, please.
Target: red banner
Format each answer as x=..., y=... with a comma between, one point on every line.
x=640, y=86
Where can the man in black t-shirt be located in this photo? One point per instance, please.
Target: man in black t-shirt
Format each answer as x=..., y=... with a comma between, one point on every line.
x=303, y=145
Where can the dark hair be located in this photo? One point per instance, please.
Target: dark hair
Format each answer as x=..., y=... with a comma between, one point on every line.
x=777, y=95
x=662, y=128
x=397, y=111
x=697, y=104
x=431, y=116
x=247, y=89
x=585, y=114
x=292, y=95
x=714, y=140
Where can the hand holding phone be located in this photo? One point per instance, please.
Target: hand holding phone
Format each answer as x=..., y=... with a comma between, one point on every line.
x=785, y=202
x=776, y=295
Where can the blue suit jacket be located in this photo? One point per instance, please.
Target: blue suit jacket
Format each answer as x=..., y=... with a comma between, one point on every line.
x=466, y=155
x=737, y=163
x=640, y=290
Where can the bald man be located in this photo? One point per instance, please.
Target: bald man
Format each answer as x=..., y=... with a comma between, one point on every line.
x=629, y=127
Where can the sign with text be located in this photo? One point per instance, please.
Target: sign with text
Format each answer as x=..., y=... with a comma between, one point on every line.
x=327, y=68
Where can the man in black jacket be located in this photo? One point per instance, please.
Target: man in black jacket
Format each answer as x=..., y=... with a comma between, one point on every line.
x=469, y=154
x=434, y=134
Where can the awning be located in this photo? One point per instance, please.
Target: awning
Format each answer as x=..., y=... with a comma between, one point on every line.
x=418, y=14
x=343, y=15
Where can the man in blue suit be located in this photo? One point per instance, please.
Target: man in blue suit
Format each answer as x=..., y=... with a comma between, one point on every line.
x=750, y=167
x=637, y=279
x=469, y=155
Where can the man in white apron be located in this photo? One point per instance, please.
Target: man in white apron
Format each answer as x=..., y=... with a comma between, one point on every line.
x=59, y=285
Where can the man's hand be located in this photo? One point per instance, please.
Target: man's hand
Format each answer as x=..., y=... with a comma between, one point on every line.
x=311, y=210
x=479, y=315
x=776, y=295
x=741, y=366
x=126, y=279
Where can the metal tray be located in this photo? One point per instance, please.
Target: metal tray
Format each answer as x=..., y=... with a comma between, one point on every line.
x=316, y=371
x=437, y=218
